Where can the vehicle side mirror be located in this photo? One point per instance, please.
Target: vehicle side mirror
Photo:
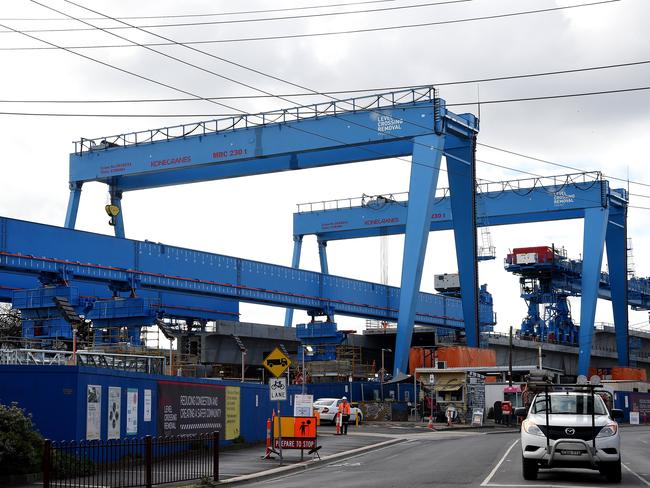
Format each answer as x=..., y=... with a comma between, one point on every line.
x=617, y=414
x=521, y=412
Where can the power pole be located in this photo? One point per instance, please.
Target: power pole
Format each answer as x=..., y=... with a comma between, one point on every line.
x=510, y=359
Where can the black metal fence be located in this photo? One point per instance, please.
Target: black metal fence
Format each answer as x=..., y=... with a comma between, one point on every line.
x=126, y=463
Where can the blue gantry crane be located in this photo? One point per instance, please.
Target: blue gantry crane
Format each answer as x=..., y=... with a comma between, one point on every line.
x=547, y=279
x=584, y=196
x=414, y=123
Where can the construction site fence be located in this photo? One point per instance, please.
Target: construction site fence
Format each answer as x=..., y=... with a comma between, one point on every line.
x=131, y=462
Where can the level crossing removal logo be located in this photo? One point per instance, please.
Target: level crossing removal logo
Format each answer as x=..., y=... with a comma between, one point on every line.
x=386, y=123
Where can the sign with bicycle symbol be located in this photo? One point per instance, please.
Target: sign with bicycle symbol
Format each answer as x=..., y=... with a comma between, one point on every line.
x=278, y=388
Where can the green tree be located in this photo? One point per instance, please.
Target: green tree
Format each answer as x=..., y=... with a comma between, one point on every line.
x=21, y=446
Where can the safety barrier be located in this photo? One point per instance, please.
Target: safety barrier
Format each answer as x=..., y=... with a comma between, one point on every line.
x=130, y=463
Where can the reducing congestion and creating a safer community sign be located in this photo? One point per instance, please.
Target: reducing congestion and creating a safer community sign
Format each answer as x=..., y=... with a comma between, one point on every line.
x=277, y=362
x=187, y=409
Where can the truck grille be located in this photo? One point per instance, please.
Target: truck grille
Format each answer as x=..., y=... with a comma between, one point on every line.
x=559, y=432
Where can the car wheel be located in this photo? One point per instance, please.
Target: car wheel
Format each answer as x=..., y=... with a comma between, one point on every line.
x=612, y=471
x=529, y=468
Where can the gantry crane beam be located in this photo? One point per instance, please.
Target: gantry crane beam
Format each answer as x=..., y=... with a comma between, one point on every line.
x=411, y=123
x=188, y=283
x=579, y=196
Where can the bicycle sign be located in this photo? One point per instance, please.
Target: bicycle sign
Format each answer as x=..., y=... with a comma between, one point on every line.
x=278, y=388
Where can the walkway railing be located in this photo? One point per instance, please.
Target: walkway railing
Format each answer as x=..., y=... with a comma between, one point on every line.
x=552, y=184
x=130, y=463
x=232, y=122
x=122, y=362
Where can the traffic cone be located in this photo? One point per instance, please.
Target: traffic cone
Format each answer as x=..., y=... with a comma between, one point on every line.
x=430, y=425
x=267, y=453
x=338, y=423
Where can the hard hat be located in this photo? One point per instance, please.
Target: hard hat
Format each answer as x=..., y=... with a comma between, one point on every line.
x=344, y=398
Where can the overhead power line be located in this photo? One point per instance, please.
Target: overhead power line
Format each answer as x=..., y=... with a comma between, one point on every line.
x=122, y=70
x=331, y=33
x=559, y=165
x=246, y=21
x=170, y=115
x=248, y=68
x=213, y=14
x=372, y=151
x=341, y=92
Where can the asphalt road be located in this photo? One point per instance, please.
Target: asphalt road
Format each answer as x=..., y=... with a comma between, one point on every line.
x=463, y=459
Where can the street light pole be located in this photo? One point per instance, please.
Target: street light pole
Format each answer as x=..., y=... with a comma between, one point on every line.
x=383, y=372
x=303, y=368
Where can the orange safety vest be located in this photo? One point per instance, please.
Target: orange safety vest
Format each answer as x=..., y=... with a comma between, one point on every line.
x=344, y=408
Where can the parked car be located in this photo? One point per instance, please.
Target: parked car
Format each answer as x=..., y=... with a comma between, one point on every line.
x=570, y=429
x=329, y=407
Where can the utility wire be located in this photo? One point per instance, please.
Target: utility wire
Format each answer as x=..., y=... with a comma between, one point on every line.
x=546, y=97
x=344, y=32
x=215, y=14
x=382, y=155
x=34, y=1
x=340, y=92
x=162, y=53
x=553, y=163
x=211, y=55
x=142, y=77
x=245, y=21
x=239, y=65
x=552, y=97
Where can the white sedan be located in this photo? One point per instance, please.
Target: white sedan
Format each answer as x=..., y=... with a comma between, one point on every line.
x=329, y=407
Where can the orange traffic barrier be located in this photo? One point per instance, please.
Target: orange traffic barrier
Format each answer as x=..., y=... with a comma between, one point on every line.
x=267, y=454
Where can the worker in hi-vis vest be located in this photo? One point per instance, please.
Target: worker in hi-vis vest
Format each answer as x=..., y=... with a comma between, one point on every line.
x=344, y=412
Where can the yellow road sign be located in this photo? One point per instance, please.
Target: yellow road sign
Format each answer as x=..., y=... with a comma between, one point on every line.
x=277, y=362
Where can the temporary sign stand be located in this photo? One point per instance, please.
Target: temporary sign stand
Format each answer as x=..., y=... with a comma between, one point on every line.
x=277, y=363
x=300, y=433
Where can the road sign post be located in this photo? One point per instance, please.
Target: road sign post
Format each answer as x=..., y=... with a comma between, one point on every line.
x=278, y=392
x=277, y=363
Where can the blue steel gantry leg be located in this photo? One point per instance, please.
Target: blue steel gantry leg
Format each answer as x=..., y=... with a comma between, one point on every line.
x=616, y=243
x=322, y=255
x=593, y=242
x=295, y=263
x=425, y=167
x=73, y=205
x=461, y=170
x=116, y=199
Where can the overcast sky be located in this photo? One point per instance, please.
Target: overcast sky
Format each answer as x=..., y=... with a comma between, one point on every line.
x=252, y=217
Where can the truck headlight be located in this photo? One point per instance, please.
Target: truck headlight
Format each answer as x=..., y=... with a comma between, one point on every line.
x=530, y=427
x=609, y=430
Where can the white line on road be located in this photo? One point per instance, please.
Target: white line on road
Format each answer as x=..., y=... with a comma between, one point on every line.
x=643, y=480
x=493, y=472
x=512, y=485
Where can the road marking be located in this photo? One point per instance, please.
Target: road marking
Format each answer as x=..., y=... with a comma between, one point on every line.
x=486, y=481
x=641, y=478
x=539, y=486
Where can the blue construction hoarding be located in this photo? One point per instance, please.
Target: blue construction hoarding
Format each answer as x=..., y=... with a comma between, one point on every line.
x=84, y=403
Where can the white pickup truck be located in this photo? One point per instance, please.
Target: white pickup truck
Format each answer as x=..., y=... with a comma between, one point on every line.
x=571, y=428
